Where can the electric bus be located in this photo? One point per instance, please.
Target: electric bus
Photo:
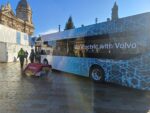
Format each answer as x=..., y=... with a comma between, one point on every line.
x=116, y=51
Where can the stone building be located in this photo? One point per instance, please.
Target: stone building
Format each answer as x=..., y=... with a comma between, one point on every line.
x=21, y=21
x=114, y=14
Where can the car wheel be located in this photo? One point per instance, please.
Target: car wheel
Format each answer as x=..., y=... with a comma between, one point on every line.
x=97, y=74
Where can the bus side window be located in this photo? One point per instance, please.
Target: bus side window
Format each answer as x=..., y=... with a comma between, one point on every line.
x=80, y=53
x=70, y=47
x=42, y=52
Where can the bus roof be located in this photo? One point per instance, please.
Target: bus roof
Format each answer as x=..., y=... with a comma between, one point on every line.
x=136, y=22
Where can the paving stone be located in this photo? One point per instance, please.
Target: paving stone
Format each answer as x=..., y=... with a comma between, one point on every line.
x=65, y=93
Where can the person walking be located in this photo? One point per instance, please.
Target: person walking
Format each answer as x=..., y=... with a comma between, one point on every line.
x=21, y=56
x=37, y=57
x=32, y=56
x=26, y=57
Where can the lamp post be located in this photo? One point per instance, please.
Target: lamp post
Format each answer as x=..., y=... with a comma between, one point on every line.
x=96, y=20
x=59, y=27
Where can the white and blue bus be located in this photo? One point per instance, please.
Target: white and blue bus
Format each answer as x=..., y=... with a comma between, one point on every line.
x=115, y=51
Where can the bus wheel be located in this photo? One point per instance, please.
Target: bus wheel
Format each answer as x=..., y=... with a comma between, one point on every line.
x=97, y=74
x=45, y=62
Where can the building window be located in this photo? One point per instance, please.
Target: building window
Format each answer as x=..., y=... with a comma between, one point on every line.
x=25, y=37
x=18, y=38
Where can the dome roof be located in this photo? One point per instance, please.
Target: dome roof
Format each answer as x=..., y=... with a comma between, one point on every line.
x=23, y=4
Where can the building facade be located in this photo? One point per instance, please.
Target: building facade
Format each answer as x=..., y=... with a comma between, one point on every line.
x=114, y=15
x=11, y=41
x=21, y=21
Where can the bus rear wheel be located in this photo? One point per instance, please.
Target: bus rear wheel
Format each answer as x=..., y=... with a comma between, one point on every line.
x=97, y=74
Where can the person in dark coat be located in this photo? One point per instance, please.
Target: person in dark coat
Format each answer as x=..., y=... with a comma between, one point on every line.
x=32, y=56
x=37, y=55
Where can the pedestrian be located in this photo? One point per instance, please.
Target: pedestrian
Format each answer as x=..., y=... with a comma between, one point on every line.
x=26, y=57
x=32, y=56
x=37, y=57
x=21, y=56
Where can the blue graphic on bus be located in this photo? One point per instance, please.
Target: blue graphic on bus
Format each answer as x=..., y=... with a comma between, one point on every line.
x=120, y=47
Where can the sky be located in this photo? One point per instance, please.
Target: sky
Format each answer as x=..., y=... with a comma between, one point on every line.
x=48, y=14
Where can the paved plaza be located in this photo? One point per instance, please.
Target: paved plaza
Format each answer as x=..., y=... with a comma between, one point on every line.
x=65, y=93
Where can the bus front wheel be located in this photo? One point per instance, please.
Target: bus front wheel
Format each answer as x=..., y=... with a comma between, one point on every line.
x=97, y=74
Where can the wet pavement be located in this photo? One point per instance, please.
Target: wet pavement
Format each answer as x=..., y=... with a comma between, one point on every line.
x=65, y=93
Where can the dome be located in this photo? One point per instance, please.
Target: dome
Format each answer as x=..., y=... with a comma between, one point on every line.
x=23, y=4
